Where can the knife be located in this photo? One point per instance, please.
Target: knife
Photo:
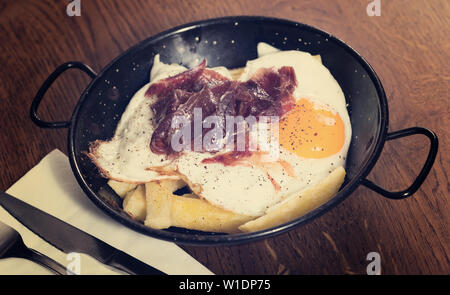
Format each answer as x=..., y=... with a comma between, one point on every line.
x=69, y=239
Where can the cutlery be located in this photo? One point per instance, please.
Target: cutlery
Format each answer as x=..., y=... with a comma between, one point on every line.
x=68, y=238
x=12, y=245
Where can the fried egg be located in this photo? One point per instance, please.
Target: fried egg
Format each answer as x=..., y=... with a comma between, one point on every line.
x=126, y=156
x=313, y=140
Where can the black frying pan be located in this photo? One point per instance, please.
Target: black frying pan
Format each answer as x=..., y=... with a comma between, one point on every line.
x=229, y=42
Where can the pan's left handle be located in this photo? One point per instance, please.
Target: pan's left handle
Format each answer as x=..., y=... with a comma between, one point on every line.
x=46, y=85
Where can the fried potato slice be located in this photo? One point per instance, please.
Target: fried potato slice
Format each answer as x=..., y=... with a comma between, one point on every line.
x=190, y=212
x=164, y=209
x=159, y=205
x=121, y=188
x=236, y=73
x=318, y=57
x=172, y=185
x=134, y=203
x=298, y=205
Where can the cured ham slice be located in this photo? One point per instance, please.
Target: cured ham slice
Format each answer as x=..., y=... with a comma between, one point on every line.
x=269, y=92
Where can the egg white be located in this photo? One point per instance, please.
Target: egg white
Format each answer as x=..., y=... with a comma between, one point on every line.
x=127, y=156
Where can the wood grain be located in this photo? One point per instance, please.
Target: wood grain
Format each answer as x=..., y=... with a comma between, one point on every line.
x=407, y=45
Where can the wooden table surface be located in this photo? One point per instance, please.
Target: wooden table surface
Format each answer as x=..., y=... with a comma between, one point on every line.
x=407, y=45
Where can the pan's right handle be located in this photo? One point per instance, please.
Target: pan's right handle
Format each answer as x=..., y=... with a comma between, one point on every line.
x=422, y=174
x=46, y=85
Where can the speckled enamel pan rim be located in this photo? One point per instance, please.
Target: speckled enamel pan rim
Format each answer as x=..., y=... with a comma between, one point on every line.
x=221, y=239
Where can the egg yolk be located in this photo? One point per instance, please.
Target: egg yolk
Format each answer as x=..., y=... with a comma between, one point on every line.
x=311, y=131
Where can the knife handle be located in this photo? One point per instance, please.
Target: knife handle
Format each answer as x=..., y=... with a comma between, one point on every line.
x=131, y=265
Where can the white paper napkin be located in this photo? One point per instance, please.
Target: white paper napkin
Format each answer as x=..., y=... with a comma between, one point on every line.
x=52, y=187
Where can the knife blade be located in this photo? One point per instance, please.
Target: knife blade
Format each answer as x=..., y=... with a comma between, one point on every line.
x=68, y=238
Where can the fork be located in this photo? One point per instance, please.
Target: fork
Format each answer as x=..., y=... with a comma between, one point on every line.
x=12, y=245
